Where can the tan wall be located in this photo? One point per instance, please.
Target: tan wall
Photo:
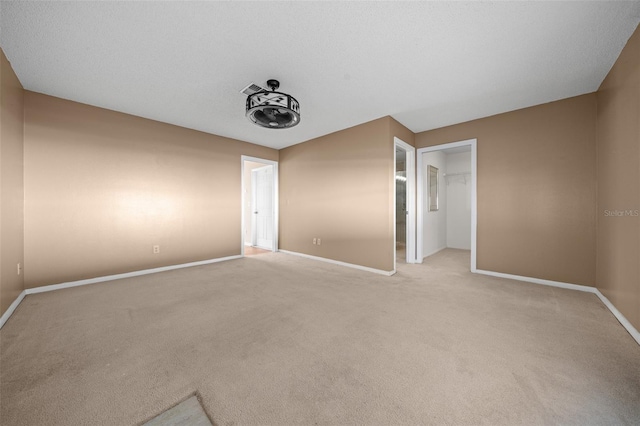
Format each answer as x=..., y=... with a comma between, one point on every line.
x=12, y=184
x=399, y=131
x=103, y=187
x=536, y=189
x=618, y=244
x=339, y=188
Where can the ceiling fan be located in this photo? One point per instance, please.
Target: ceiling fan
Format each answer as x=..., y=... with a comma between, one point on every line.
x=271, y=109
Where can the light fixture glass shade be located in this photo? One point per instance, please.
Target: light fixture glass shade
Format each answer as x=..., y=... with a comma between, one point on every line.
x=273, y=110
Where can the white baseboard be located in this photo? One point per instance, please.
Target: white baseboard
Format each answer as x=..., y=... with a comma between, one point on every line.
x=337, y=262
x=616, y=313
x=431, y=253
x=12, y=308
x=621, y=318
x=96, y=280
x=538, y=281
x=126, y=275
x=623, y=321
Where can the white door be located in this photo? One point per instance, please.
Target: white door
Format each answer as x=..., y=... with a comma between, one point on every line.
x=262, y=196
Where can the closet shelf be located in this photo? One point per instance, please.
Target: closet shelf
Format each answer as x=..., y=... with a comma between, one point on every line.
x=466, y=176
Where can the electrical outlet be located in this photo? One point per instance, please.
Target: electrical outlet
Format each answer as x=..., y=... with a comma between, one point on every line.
x=314, y=241
x=156, y=249
x=19, y=269
x=319, y=241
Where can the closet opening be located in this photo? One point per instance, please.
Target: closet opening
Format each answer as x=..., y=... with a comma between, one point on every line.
x=447, y=199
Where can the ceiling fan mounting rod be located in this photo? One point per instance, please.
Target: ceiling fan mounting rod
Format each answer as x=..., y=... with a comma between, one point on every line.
x=273, y=84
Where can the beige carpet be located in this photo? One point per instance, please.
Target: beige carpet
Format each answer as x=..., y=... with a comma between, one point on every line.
x=281, y=340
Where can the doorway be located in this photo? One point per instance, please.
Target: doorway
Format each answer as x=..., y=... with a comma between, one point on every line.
x=262, y=207
x=259, y=206
x=447, y=199
x=404, y=242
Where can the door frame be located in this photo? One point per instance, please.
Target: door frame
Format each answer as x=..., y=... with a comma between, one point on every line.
x=410, y=239
x=276, y=209
x=473, y=143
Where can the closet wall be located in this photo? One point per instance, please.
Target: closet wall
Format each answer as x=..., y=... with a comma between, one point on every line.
x=458, y=189
x=435, y=222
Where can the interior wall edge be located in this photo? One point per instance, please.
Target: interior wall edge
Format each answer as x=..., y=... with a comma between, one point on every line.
x=401, y=132
x=12, y=196
x=338, y=262
x=432, y=252
x=619, y=316
x=618, y=183
x=11, y=309
x=575, y=287
x=53, y=287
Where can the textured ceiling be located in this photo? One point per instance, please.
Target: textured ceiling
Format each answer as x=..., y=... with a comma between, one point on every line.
x=427, y=64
